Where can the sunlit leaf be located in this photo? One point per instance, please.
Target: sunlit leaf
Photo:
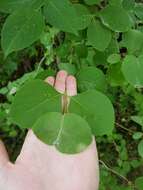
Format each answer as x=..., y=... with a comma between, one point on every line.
x=98, y=36
x=132, y=69
x=69, y=133
x=137, y=135
x=91, y=78
x=116, y=18
x=62, y=15
x=96, y=108
x=33, y=100
x=114, y=58
x=133, y=41
x=83, y=16
x=21, y=29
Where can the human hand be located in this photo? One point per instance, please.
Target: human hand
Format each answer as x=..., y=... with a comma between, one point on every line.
x=42, y=167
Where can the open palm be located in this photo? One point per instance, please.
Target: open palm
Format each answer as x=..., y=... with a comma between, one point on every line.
x=42, y=167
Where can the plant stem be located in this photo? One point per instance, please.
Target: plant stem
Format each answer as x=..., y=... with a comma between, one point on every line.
x=121, y=126
x=115, y=172
x=65, y=104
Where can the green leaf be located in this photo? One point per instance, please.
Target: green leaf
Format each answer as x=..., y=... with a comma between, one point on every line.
x=98, y=36
x=138, y=120
x=133, y=41
x=135, y=163
x=33, y=100
x=62, y=15
x=21, y=29
x=83, y=16
x=128, y=4
x=8, y=6
x=92, y=2
x=132, y=68
x=114, y=58
x=115, y=76
x=140, y=148
x=97, y=109
x=139, y=10
x=139, y=183
x=81, y=50
x=115, y=18
x=44, y=74
x=113, y=47
x=137, y=135
x=100, y=58
x=115, y=2
x=91, y=78
x=69, y=133
x=70, y=68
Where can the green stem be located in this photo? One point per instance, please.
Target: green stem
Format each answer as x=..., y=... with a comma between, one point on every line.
x=65, y=104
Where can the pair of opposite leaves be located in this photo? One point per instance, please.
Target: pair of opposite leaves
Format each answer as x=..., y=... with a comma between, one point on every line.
x=37, y=105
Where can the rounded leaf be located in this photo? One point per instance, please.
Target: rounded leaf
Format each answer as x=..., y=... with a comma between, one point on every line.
x=138, y=10
x=97, y=109
x=115, y=75
x=116, y=18
x=83, y=16
x=21, y=29
x=114, y=58
x=33, y=100
x=137, y=135
x=98, y=36
x=61, y=15
x=133, y=41
x=91, y=78
x=138, y=119
x=132, y=68
x=70, y=68
x=69, y=133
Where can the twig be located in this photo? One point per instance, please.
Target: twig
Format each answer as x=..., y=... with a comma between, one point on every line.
x=115, y=172
x=39, y=65
x=121, y=126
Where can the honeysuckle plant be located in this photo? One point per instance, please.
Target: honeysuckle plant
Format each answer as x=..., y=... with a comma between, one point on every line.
x=66, y=122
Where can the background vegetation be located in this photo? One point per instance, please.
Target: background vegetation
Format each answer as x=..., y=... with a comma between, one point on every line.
x=101, y=43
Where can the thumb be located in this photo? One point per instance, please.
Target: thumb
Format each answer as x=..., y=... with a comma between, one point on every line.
x=3, y=154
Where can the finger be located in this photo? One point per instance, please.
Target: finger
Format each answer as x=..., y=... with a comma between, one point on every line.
x=71, y=86
x=50, y=80
x=60, y=83
x=3, y=154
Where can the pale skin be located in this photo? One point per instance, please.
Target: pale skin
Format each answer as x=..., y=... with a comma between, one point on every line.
x=42, y=167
